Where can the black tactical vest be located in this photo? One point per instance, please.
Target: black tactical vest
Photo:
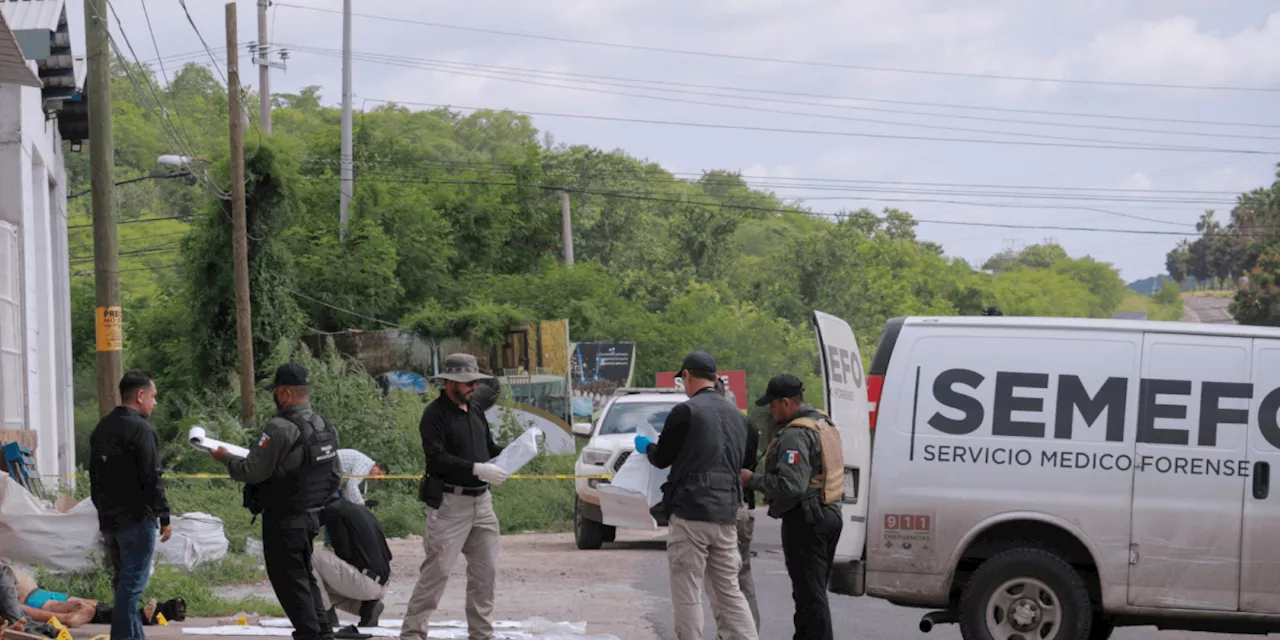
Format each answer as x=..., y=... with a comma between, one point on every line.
x=311, y=484
x=705, y=480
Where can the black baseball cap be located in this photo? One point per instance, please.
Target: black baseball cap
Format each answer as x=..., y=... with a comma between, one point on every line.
x=698, y=362
x=781, y=386
x=290, y=374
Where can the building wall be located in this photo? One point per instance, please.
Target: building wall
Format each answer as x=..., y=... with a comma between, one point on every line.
x=35, y=296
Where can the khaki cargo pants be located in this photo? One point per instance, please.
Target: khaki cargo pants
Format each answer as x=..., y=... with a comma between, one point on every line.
x=746, y=531
x=462, y=525
x=343, y=586
x=698, y=551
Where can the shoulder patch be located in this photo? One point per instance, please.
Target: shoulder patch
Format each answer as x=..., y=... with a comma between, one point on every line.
x=791, y=456
x=264, y=440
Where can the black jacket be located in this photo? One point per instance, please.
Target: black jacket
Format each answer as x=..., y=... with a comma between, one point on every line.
x=704, y=441
x=453, y=440
x=357, y=537
x=125, y=478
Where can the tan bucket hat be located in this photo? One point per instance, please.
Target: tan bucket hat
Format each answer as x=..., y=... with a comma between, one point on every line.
x=461, y=367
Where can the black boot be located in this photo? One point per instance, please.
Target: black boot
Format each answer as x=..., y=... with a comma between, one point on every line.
x=370, y=611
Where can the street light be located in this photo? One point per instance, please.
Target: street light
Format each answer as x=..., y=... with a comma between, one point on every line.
x=168, y=160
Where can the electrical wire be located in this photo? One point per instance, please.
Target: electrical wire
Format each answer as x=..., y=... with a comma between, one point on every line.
x=451, y=68
x=781, y=209
x=810, y=63
x=840, y=186
x=855, y=134
x=337, y=308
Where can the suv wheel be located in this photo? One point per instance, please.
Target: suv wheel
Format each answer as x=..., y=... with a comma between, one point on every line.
x=588, y=534
x=1025, y=594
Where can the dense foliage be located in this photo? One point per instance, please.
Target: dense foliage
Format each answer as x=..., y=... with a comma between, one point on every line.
x=455, y=230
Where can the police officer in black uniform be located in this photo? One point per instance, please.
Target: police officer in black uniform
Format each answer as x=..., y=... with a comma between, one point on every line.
x=290, y=474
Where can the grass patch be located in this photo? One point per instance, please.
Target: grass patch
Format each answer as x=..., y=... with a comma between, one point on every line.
x=1155, y=310
x=196, y=586
x=1225, y=293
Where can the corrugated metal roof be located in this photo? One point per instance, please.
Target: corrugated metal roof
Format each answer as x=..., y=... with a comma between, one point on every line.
x=13, y=66
x=30, y=15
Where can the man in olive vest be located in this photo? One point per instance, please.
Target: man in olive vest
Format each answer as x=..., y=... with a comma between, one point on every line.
x=703, y=441
x=802, y=483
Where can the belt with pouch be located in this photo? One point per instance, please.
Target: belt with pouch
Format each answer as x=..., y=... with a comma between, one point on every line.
x=375, y=577
x=471, y=492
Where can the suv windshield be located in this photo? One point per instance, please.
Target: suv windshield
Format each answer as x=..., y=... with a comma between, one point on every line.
x=625, y=417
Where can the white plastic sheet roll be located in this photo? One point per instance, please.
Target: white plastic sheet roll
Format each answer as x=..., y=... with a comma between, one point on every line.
x=196, y=436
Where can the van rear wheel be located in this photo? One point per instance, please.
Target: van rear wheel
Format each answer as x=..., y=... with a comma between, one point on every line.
x=1025, y=594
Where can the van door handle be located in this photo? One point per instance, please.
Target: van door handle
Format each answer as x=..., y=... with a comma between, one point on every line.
x=1261, y=480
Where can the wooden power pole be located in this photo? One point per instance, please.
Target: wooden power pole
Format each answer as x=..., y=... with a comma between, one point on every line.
x=240, y=242
x=106, y=259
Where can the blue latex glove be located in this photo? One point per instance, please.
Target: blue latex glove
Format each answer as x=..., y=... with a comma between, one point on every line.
x=642, y=444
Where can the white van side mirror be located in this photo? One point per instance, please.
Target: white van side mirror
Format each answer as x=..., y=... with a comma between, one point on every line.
x=582, y=429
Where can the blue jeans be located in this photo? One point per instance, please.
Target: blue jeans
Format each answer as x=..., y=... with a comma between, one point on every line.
x=129, y=553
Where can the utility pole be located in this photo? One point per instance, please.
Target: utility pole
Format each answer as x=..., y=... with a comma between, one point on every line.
x=567, y=222
x=264, y=70
x=345, y=188
x=240, y=242
x=106, y=260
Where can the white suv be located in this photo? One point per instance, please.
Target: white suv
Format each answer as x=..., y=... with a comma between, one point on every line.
x=611, y=440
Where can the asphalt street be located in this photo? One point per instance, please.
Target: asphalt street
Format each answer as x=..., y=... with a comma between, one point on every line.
x=1207, y=309
x=860, y=618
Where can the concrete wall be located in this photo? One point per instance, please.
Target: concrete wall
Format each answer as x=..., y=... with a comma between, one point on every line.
x=35, y=293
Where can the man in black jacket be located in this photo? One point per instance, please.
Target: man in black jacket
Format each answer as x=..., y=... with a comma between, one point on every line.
x=703, y=441
x=353, y=577
x=457, y=444
x=127, y=488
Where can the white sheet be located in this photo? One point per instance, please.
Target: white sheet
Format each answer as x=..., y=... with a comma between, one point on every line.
x=520, y=452
x=637, y=487
x=531, y=629
x=196, y=436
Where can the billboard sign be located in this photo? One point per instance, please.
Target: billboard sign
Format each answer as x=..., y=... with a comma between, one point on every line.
x=735, y=381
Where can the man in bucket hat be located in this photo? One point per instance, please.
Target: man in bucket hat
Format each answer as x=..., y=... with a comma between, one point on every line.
x=458, y=444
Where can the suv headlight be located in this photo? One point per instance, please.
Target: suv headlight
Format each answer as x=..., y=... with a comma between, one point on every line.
x=595, y=456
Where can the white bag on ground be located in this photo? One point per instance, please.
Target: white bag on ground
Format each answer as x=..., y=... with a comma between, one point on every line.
x=519, y=453
x=33, y=533
x=197, y=538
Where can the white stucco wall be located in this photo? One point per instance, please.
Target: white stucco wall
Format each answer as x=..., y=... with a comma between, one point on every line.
x=35, y=342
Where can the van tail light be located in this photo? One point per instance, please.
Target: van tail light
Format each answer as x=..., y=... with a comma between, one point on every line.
x=874, y=384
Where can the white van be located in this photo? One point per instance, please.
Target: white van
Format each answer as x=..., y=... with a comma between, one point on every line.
x=1052, y=479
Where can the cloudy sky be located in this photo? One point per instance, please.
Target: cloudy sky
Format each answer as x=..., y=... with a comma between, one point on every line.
x=956, y=111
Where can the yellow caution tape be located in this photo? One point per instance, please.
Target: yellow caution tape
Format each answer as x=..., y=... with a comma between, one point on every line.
x=102, y=636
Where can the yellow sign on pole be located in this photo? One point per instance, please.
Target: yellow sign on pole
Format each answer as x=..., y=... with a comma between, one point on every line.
x=110, y=328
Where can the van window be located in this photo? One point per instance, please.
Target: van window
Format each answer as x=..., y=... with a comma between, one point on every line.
x=624, y=418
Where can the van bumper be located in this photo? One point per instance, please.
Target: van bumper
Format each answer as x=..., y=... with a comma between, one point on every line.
x=909, y=589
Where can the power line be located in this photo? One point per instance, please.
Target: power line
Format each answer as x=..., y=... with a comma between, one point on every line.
x=484, y=72
x=347, y=311
x=856, y=187
x=135, y=221
x=779, y=209
x=214, y=60
x=805, y=181
x=855, y=134
x=830, y=65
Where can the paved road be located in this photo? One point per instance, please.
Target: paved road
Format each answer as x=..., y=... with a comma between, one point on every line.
x=861, y=618
x=1207, y=309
